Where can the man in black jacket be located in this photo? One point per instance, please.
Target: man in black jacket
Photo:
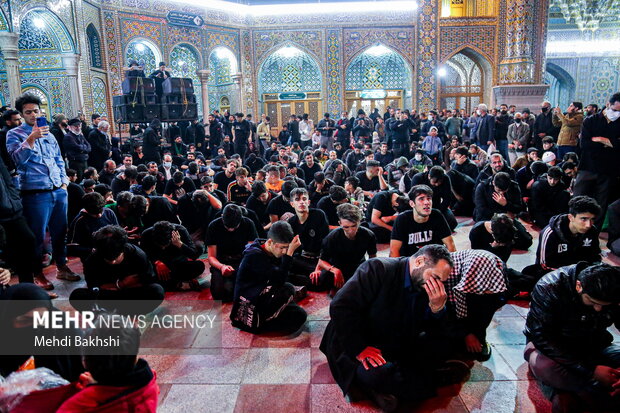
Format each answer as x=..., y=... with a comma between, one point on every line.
x=215, y=136
x=463, y=164
x=497, y=195
x=497, y=163
x=543, y=126
x=263, y=299
x=600, y=151
x=100, y=145
x=293, y=128
x=12, y=119
x=383, y=338
x=485, y=133
x=548, y=198
x=569, y=347
x=151, y=143
x=76, y=147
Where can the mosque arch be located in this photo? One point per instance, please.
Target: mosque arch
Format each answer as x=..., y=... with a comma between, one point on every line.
x=94, y=46
x=4, y=22
x=184, y=61
x=561, y=90
x=145, y=52
x=377, y=77
x=223, y=65
x=290, y=82
x=465, y=80
x=40, y=30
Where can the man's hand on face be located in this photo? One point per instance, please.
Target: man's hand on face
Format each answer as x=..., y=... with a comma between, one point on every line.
x=437, y=295
x=607, y=376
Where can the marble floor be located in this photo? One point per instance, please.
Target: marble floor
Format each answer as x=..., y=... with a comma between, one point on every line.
x=289, y=374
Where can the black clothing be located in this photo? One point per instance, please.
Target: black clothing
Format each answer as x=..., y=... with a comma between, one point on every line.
x=481, y=239
x=468, y=168
x=370, y=185
x=178, y=191
x=486, y=129
x=487, y=172
x=194, y=216
x=160, y=209
x=442, y=194
x=293, y=129
x=259, y=208
x=119, y=184
x=486, y=206
x=159, y=76
x=558, y=246
x=169, y=255
x=414, y=235
x=309, y=172
x=59, y=134
x=353, y=159
x=463, y=186
x=328, y=206
x=596, y=157
x=377, y=307
x=563, y=328
x=237, y=194
x=501, y=126
x=278, y=206
x=346, y=254
x=547, y=201
x=100, y=147
x=382, y=201
x=80, y=240
x=76, y=147
x=316, y=195
x=151, y=146
x=311, y=232
x=544, y=124
x=222, y=181
x=230, y=244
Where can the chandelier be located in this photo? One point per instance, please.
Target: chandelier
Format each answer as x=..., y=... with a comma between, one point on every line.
x=587, y=14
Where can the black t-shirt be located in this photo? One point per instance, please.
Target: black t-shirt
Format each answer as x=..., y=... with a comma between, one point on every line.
x=237, y=194
x=311, y=232
x=414, y=235
x=309, y=172
x=222, y=180
x=256, y=205
x=481, y=239
x=178, y=191
x=346, y=254
x=278, y=206
x=382, y=201
x=230, y=243
x=368, y=184
x=326, y=205
x=98, y=272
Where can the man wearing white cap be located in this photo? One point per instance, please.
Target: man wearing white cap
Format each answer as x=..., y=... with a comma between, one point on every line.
x=549, y=158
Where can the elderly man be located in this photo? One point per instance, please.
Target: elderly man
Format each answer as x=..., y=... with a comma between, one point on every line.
x=101, y=146
x=485, y=130
x=76, y=147
x=388, y=308
x=518, y=136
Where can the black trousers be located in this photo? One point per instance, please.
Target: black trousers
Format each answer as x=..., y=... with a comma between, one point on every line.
x=276, y=311
x=79, y=167
x=20, y=248
x=383, y=234
x=138, y=300
x=299, y=274
x=480, y=311
x=450, y=218
x=183, y=271
x=223, y=288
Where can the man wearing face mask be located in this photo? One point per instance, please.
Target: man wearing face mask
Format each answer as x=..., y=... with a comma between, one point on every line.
x=543, y=126
x=77, y=147
x=600, y=146
x=517, y=138
x=433, y=121
x=502, y=122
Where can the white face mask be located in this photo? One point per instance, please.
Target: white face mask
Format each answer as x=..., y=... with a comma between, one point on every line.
x=478, y=112
x=418, y=157
x=612, y=115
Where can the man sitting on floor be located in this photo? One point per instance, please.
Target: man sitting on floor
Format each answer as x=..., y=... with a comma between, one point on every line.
x=383, y=340
x=569, y=347
x=263, y=299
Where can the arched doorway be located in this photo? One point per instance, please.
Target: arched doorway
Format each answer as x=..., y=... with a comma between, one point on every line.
x=41, y=94
x=465, y=81
x=184, y=62
x=222, y=88
x=290, y=83
x=145, y=53
x=378, y=77
x=561, y=86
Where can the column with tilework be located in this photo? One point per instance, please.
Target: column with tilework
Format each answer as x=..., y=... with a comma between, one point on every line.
x=10, y=53
x=203, y=75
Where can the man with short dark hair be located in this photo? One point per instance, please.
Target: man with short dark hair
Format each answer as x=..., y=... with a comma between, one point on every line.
x=43, y=183
x=498, y=194
x=496, y=164
x=424, y=226
x=570, y=127
x=263, y=299
x=240, y=189
x=548, y=197
x=280, y=206
x=389, y=307
x=372, y=180
x=12, y=119
x=227, y=237
x=569, y=346
x=437, y=179
x=174, y=255
x=242, y=130
x=309, y=167
x=329, y=204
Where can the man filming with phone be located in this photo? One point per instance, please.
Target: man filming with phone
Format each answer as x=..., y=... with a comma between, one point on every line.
x=43, y=184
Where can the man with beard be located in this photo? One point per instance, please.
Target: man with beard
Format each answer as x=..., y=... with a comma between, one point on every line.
x=496, y=164
x=76, y=147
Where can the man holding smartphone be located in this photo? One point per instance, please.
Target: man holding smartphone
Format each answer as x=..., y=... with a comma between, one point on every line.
x=43, y=184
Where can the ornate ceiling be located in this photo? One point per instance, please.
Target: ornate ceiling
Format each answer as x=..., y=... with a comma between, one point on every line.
x=585, y=14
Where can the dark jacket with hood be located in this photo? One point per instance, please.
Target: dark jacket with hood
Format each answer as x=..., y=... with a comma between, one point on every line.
x=259, y=269
x=547, y=201
x=486, y=207
x=563, y=328
x=10, y=201
x=558, y=246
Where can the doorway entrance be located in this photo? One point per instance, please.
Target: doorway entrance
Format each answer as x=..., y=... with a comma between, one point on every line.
x=369, y=100
x=279, y=108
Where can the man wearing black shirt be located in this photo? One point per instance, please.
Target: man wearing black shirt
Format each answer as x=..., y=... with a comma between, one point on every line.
x=311, y=226
x=223, y=178
x=227, y=237
x=329, y=204
x=309, y=167
x=319, y=188
x=280, y=206
x=548, y=197
x=422, y=227
x=293, y=128
x=215, y=135
x=118, y=270
x=173, y=254
x=437, y=180
x=355, y=157
x=241, y=131
x=381, y=213
x=240, y=189
x=178, y=186
x=463, y=164
x=345, y=248
x=160, y=75
x=496, y=195
x=372, y=180
x=196, y=210
x=258, y=202
x=496, y=236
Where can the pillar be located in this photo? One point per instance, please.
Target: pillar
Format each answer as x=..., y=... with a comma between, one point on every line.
x=10, y=53
x=203, y=75
x=71, y=63
x=237, y=80
x=522, y=64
